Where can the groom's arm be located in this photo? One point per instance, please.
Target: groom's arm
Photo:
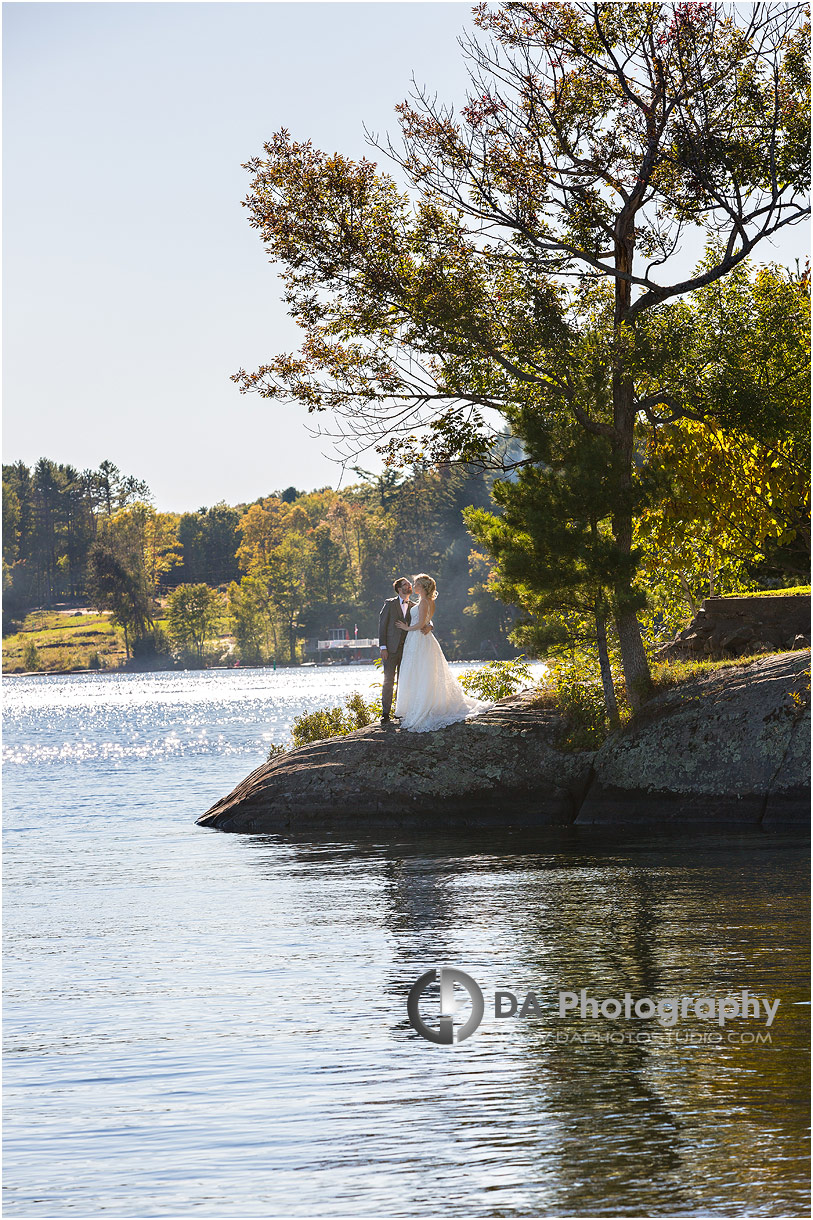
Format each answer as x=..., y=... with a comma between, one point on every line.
x=382, y=629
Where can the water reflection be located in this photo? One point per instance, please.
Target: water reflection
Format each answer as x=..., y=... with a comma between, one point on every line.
x=558, y=1116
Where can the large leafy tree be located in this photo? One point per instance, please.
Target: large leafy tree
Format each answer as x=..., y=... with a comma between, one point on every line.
x=253, y=619
x=734, y=470
x=596, y=137
x=209, y=540
x=147, y=540
x=713, y=500
x=116, y=584
x=192, y=611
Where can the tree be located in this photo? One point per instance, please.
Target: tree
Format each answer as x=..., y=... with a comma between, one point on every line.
x=711, y=501
x=119, y=588
x=594, y=137
x=111, y=490
x=734, y=486
x=261, y=532
x=134, y=547
x=192, y=611
x=329, y=567
x=253, y=619
x=288, y=579
x=161, y=547
x=11, y=530
x=146, y=540
x=553, y=549
x=209, y=539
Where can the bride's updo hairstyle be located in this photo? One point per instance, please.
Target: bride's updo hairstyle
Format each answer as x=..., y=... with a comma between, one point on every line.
x=427, y=584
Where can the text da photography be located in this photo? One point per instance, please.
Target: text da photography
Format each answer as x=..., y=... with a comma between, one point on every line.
x=446, y=1005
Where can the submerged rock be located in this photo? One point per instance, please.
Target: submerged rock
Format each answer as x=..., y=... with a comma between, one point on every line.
x=729, y=746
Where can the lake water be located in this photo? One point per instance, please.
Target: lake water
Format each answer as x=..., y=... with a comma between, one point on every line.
x=210, y=1024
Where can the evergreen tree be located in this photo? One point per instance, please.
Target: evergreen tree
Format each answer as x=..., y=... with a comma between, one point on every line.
x=553, y=545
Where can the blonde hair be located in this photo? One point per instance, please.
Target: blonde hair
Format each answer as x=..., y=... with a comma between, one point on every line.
x=427, y=584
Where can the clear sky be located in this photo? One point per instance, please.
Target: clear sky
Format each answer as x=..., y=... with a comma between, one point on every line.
x=133, y=285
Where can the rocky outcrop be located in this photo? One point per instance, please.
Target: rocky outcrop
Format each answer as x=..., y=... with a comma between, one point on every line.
x=501, y=768
x=732, y=745
x=742, y=626
x=729, y=746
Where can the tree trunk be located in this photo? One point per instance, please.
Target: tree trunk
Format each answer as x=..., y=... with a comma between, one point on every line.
x=637, y=677
x=633, y=658
x=604, y=665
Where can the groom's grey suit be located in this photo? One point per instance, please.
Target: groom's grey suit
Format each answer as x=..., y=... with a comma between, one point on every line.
x=392, y=638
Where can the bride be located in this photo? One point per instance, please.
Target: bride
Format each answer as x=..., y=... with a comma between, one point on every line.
x=429, y=696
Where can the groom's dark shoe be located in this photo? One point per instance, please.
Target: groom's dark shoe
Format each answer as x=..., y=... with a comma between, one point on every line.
x=386, y=720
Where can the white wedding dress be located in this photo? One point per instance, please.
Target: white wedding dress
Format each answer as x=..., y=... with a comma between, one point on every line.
x=429, y=696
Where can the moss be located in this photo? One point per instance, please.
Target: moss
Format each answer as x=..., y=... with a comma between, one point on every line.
x=794, y=592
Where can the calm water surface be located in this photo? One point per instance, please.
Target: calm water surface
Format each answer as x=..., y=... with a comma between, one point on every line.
x=216, y=1024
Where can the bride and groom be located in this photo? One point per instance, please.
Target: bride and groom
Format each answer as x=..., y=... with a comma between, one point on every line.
x=429, y=696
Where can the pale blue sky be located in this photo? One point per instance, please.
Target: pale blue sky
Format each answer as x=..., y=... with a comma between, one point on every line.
x=133, y=284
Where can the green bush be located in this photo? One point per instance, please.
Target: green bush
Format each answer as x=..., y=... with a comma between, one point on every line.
x=94, y=661
x=583, y=705
x=497, y=680
x=31, y=658
x=362, y=712
x=573, y=688
x=332, y=722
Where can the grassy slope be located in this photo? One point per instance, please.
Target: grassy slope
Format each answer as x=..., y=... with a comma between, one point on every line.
x=64, y=640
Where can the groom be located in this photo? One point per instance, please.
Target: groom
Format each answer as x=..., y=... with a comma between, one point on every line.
x=391, y=638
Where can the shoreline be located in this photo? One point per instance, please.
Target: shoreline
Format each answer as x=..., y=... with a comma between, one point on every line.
x=728, y=747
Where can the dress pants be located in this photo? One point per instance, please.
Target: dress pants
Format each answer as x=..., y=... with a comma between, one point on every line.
x=390, y=670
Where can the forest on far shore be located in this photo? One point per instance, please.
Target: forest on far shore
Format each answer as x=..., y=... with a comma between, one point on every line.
x=272, y=573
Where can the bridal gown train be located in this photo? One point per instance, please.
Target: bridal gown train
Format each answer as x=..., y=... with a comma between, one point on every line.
x=429, y=696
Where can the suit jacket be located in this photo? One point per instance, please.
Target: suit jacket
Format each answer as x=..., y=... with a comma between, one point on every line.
x=389, y=636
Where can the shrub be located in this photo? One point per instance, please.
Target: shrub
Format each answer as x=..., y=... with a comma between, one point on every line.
x=333, y=721
x=497, y=680
x=362, y=712
x=316, y=726
x=152, y=643
x=31, y=658
x=573, y=689
x=582, y=702
x=94, y=661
